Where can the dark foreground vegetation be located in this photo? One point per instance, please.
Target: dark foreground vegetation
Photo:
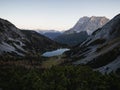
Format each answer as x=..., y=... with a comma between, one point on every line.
x=56, y=78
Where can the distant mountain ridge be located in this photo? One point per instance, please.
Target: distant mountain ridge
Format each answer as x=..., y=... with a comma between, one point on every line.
x=52, y=34
x=88, y=24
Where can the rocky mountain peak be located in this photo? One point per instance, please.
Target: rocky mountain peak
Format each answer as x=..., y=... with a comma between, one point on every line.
x=83, y=20
x=89, y=24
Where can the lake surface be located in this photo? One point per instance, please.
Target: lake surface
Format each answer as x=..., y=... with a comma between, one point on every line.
x=55, y=52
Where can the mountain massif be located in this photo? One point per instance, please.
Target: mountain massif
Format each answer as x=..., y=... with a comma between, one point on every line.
x=52, y=34
x=88, y=24
x=20, y=42
x=81, y=30
x=101, y=50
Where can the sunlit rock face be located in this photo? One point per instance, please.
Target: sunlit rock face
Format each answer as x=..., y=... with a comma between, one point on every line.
x=89, y=24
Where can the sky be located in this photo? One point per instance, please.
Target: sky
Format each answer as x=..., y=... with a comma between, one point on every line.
x=54, y=14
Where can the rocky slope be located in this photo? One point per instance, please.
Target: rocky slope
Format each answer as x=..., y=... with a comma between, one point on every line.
x=88, y=24
x=19, y=42
x=101, y=50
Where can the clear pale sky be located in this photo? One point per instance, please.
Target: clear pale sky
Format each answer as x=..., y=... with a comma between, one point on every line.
x=54, y=14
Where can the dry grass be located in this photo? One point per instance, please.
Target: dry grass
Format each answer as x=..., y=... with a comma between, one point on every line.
x=53, y=61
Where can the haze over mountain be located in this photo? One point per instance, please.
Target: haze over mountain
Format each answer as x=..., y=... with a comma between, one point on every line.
x=101, y=50
x=52, y=34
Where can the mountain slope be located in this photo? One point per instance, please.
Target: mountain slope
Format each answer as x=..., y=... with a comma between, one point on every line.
x=88, y=24
x=50, y=33
x=40, y=42
x=101, y=50
x=16, y=42
x=72, y=39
